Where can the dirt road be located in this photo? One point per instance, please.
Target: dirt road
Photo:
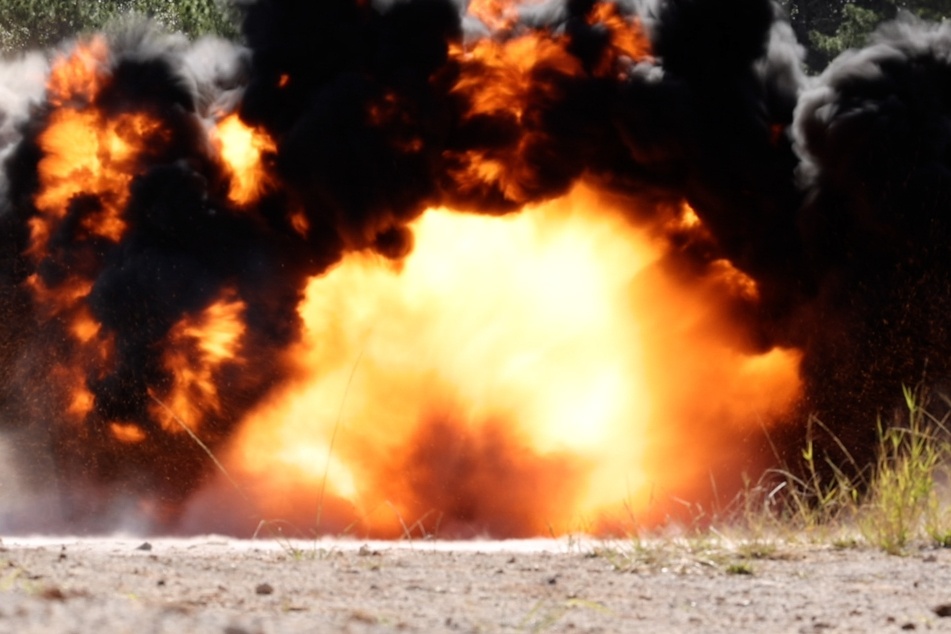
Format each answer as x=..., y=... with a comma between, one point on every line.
x=224, y=586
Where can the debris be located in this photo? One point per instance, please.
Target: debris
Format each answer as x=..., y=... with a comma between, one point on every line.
x=943, y=610
x=264, y=588
x=53, y=593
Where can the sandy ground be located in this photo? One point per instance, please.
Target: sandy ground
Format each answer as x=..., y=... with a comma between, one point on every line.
x=225, y=586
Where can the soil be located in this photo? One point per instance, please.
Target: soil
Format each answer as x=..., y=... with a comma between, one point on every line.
x=224, y=586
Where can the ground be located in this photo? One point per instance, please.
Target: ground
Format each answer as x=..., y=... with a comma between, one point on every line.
x=223, y=586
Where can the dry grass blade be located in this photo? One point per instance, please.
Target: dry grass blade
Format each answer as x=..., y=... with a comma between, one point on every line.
x=198, y=441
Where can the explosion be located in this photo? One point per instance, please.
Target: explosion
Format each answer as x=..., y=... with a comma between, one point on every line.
x=243, y=151
x=505, y=378
x=409, y=268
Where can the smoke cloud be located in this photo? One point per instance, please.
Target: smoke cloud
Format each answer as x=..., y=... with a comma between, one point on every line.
x=830, y=192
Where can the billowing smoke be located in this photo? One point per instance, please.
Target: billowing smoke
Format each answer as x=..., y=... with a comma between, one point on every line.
x=828, y=192
x=873, y=136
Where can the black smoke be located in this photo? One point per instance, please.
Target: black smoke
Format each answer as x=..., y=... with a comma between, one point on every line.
x=831, y=192
x=874, y=135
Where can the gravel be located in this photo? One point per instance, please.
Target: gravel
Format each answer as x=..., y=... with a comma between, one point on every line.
x=225, y=586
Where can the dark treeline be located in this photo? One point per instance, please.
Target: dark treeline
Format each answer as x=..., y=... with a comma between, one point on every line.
x=41, y=24
x=827, y=27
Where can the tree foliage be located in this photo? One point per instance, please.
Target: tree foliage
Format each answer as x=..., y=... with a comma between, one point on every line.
x=827, y=28
x=40, y=24
x=824, y=27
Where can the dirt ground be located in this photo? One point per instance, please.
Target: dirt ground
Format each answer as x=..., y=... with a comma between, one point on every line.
x=225, y=586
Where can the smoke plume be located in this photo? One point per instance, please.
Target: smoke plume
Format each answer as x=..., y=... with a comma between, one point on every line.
x=147, y=291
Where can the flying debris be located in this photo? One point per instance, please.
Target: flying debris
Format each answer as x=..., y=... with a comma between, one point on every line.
x=457, y=268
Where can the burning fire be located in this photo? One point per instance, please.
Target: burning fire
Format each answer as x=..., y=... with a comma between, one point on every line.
x=508, y=78
x=197, y=347
x=90, y=159
x=495, y=14
x=513, y=376
x=243, y=150
x=540, y=372
x=85, y=151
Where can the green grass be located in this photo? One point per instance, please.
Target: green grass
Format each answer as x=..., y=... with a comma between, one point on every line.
x=43, y=24
x=899, y=501
x=904, y=502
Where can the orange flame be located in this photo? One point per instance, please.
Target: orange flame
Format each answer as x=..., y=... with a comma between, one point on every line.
x=79, y=74
x=85, y=152
x=67, y=295
x=128, y=433
x=540, y=372
x=506, y=77
x=495, y=14
x=88, y=162
x=500, y=79
x=243, y=150
x=514, y=375
x=197, y=347
x=628, y=39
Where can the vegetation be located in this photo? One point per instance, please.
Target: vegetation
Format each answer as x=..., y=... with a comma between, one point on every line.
x=826, y=28
x=898, y=501
x=898, y=505
x=41, y=24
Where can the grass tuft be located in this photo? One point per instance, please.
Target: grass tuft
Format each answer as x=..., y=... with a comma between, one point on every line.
x=903, y=503
x=894, y=503
x=901, y=500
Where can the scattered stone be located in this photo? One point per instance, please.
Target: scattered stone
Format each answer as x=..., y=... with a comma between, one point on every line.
x=264, y=588
x=943, y=610
x=909, y=626
x=144, y=546
x=53, y=593
x=361, y=616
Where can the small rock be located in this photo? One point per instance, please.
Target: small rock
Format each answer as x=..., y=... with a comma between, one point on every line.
x=144, y=546
x=363, y=617
x=264, y=588
x=52, y=593
x=943, y=610
x=909, y=626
